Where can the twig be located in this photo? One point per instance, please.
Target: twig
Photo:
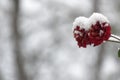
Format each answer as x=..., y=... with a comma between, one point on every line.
x=115, y=36
x=114, y=41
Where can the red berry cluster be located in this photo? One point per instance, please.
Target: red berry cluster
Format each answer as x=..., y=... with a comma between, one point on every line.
x=97, y=33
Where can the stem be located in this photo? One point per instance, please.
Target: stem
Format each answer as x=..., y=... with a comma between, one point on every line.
x=114, y=38
x=114, y=41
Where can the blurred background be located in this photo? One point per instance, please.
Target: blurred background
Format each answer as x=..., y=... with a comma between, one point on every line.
x=36, y=41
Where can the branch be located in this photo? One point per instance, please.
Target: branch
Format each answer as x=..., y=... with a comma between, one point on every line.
x=17, y=40
x=114, y=38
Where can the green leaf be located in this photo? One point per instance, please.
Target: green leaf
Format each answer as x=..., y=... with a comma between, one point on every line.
x=119, y=53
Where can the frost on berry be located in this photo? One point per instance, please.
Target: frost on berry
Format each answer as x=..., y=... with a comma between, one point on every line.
x=94, y=30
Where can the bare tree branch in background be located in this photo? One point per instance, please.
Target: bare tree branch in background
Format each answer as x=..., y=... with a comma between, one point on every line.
x=100, y=55
x=17, y=39
x=98, y=64
x=96, y=6
x=1, y=76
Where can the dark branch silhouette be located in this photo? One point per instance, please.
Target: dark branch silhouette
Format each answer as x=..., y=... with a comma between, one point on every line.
x=100, y=55
x=17, y=39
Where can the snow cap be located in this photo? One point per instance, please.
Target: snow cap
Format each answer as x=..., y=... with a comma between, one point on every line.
x=86, y=23
x=97, y=17
x=81, y=22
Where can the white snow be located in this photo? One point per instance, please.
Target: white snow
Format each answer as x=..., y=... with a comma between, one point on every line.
x=77, y=32
x=81, y=21
x=118, y=37
x=101, y=32
x=113, y=39
x=106, y=25
x=86, y=23
x=97, y=17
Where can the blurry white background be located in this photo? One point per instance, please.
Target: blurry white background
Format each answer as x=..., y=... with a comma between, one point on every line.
x=36, y=41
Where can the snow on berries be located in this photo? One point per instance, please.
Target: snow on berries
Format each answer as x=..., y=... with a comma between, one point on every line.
x=93, y=30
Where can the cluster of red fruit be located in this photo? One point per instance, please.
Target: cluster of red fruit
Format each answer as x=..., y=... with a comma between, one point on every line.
x=96, y=34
